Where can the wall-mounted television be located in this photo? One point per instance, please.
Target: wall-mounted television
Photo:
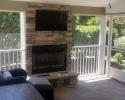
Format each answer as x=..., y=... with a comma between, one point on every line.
x=51, y=20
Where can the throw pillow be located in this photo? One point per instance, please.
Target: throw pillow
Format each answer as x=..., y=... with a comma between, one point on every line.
x=7, y=75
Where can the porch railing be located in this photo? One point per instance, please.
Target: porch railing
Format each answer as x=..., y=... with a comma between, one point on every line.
x=85, y=59
x=10, y=58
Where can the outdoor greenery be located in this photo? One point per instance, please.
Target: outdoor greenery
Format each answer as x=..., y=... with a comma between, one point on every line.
x=118, y=34
x=85, y=30
x=119, y=57
x=118, y=42
x=9, y=30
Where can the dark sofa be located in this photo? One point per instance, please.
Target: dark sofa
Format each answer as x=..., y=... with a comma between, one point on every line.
x=6, y=78
x=16, y=77
x=21, y=91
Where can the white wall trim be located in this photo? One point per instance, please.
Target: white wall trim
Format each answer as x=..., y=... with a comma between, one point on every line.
x=23, y=39
x=109, y=48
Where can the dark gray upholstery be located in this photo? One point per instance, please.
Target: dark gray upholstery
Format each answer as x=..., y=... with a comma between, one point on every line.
x=24, y=91
x=1, y=76
x=18, y=76
x=14, y=80
x=6, y=78
x=18, y=72
x=43, y=86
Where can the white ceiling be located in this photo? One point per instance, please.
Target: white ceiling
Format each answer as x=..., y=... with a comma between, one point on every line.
x=94, y=3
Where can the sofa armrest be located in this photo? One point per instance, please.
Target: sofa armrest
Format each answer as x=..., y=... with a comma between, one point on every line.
x=43, y=86
x=18, y=72
x=13, y=80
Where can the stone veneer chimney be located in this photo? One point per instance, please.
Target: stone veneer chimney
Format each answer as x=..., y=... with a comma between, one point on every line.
x=46, y=37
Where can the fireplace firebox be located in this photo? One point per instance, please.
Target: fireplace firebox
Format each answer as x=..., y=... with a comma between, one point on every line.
x=49, y=58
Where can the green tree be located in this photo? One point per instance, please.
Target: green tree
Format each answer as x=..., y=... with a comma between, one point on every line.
x=85, y=30
x=118, y=57
x=118, y=29
x=9, y=30
x=119, y=26
x=120, y=42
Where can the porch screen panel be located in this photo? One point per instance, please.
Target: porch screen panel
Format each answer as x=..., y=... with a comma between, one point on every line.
x=85, y=44
x=10, y=40
x=118, y=43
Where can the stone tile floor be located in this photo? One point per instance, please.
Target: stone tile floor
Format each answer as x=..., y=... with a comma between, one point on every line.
x=92, y=89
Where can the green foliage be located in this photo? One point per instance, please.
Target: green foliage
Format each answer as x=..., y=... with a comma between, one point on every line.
x=118, y=57
x=9, y=30
x=119, y=25
x=93, y=21
x=88, y=28
x=85, y=30
x=10, y=41
x=9, y=22
x=120, y=42
x=118, y=29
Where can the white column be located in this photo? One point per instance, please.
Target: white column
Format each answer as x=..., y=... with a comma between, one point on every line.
x=102, y=39
x=22, y=35
x=109, y=48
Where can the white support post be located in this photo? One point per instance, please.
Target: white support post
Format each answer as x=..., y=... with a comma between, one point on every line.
x=22, y=35
x=109, y=48
x=102, y=39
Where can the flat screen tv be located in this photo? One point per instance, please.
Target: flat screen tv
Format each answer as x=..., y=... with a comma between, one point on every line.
x=50, y=20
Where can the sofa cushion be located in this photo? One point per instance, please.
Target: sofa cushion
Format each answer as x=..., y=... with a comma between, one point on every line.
x=18, y=72
x=43, y=86
x=23, y=91
x=40, y=82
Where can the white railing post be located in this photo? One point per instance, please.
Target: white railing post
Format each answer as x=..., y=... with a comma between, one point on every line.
x=10, y=58
x=4, y=59
x=102, y=39
x=17, y=59
x=86, y=62
x=0, y=60
x=13, y=61
x=97, y=59
x=85, y=59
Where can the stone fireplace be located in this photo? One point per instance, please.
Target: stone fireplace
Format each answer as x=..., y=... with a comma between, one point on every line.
x=43, y=38
x=49, y=58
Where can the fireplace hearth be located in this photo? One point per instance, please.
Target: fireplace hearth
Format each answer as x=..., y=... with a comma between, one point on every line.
x=49, y=58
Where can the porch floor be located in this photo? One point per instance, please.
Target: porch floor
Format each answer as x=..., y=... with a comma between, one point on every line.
x=101, y=89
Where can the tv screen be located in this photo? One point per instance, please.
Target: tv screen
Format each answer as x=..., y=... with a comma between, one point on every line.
x=49, y=20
